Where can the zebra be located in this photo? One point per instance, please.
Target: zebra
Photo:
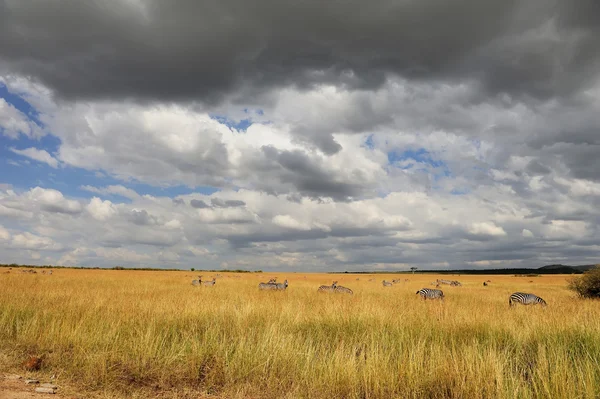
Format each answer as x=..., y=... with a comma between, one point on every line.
x=327, y=288
x=270, y=285
x=387, y=283
x=281, y=286
x=198, y=281
x=453, y=283
x=209, y=283
x=431, y=293
x=338, y=289
x=525, y=299
x=396, y=281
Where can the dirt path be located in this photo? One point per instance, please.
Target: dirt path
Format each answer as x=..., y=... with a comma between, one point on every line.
x=11, y=388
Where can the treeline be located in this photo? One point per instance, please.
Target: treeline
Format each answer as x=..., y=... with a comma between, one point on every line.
x=152, y=269
x=517, y=271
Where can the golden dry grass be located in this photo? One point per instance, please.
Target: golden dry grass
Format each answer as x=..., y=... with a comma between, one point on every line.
x=140, y=334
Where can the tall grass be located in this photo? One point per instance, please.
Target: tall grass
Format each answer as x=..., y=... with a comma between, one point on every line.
x=135, y=334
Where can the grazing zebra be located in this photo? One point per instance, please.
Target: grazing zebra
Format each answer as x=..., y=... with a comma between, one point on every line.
x=430, y=293
x=525, y=299
x=338, y=289
x=271, y=285
x=453, y=283
x=209, y=283
x=327, y=288
x=387, y=283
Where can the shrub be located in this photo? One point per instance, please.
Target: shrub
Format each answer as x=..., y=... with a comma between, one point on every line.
x=588, y=284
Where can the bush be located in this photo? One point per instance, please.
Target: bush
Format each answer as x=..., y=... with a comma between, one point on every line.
x=588, y=284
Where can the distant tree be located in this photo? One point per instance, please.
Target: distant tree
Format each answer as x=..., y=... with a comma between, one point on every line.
x=413, y=269
x=192, y=269
x=587, y=285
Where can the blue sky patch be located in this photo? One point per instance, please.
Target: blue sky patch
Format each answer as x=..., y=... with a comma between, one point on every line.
x=241, y=125
x=20, y=104
x=369, y=142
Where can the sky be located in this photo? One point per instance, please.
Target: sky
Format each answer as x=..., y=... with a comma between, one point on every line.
x=300, y=136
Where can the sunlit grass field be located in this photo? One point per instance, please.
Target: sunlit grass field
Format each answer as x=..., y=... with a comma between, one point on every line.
x=115, y=334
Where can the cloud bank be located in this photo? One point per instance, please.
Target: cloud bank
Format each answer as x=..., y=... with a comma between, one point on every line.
x=300, y=136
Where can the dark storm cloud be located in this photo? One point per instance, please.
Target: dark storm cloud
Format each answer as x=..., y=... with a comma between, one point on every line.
x=141, y=217
x=185, y=49
x=297, y=171
x=219, y=203
x=199, y=204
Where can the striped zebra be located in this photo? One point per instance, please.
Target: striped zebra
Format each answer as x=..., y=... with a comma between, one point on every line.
x=281, y=286
x=209, y=283
x=338, y=289
x=453, y=283
x=270, y=285
x=327, y=288
x=387, y=283
x=430, y=293
x=525, y=299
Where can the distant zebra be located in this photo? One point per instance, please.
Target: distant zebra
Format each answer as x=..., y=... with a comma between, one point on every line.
x=338, y=289
x=271, y=285
x=387, y=283
x=281, y=286
x=453, y=283
x=430, y=293
x=209, y=283
x=525, y=299
x=396, y=281
x=327, y=288
x=198, y=281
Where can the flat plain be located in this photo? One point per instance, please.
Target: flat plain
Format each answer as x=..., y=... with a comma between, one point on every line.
x=138, y=334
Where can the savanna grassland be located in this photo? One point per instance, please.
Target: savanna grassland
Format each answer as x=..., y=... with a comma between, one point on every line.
x=114, y=334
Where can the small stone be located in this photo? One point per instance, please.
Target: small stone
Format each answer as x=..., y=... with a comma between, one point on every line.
x=46, y=385
x=32, y=381
x=45, y=390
